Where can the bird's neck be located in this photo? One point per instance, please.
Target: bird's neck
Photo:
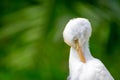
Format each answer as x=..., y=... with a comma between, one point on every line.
x=85, y=50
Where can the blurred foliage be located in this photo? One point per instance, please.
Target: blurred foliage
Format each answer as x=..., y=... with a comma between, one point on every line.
x=31, y=43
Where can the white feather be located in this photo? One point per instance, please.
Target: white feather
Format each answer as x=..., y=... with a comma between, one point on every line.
x=93, y=69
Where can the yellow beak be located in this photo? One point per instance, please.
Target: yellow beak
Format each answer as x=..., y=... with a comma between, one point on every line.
x=79, y=51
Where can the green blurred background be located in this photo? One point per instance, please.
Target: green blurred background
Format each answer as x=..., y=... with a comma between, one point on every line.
x=31, y=43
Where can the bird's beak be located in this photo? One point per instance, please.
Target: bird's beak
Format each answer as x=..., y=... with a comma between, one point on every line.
x=80, y=52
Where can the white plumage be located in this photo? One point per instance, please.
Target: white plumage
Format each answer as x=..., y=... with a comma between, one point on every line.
x=82, y=65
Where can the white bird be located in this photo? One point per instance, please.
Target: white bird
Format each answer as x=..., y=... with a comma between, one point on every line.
x=82, y=65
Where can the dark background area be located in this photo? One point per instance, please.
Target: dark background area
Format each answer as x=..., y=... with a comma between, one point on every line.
x=31, y=43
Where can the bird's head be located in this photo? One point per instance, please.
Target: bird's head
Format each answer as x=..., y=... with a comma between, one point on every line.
x=77, y=29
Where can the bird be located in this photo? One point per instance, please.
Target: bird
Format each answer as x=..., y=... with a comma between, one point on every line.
x=82, y=65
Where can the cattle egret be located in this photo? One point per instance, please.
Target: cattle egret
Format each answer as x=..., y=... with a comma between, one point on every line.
x=82, y=65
